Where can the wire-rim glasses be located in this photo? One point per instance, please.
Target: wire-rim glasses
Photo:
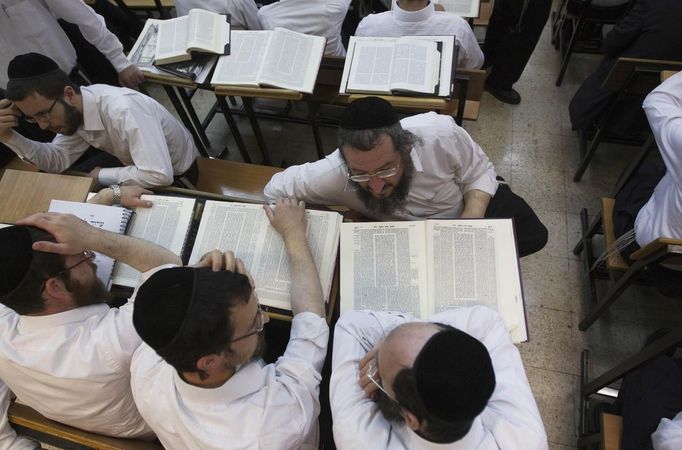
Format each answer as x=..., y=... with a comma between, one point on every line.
x=42, y=115
x=88, y=255
x=259, y=321
x=386, y=173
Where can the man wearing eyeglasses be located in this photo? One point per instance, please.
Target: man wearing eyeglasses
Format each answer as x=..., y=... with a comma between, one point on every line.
x=153, y=146
x=198, y=379
x=63, y=351
x=455, y=380
x=420, y=167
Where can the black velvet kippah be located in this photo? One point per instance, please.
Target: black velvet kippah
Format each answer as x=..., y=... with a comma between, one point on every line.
x=16, y=257
x=454, y=375
x=30, y=65
x=368, y=113
x=162, y=304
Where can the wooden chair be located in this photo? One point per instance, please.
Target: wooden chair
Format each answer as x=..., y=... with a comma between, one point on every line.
x=234, y=179
x=27, y=422
x=609, y=436
x=628, y=76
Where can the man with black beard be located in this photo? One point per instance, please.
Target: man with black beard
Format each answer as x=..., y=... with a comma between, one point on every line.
x=153, y=146
x=64, y=352
x=420, y=167
x=198, y=379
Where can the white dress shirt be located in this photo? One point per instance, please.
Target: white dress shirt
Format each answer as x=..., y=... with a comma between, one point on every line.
x=447, y=164
x=243, y=13
x=74, y=366
x=9, y=440
x=272, y=406
x=661, y=216
x=31, y=26
x=317, y=17
x=668, y=435
x=151, y=143
x=511, y=419
x=425, y=22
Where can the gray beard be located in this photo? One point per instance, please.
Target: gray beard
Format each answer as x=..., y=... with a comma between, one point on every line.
x=395, y=201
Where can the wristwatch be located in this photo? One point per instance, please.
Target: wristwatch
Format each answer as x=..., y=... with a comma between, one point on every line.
x=117, y=193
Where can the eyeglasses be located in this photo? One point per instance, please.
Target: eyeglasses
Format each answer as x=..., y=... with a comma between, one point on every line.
x=88, y=255
x=42, y=115
x=386, y=173
x=372, y=371
x=259, y=325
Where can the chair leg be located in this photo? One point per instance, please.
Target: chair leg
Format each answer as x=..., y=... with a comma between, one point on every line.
x=557, y=22
x=588, y=259
x=586, y=155
x=577, y=29
x=588, y=232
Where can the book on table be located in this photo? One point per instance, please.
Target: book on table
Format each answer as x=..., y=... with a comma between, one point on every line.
x=462, y=8
x=199, y=31
x=278, y=58
x=190, y=228
x=425, y=267
x=411, y=65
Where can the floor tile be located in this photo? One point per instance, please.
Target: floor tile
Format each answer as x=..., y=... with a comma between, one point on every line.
x=554, y=393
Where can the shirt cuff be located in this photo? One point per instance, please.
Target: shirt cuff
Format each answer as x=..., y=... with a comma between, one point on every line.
x=120, y=62
x=108, y=176
x=486, y=183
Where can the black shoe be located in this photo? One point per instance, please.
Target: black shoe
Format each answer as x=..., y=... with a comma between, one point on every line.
x=504, y=95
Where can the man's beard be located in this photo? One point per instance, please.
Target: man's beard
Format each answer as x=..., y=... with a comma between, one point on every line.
x=396, y=200
x=389, y=408
x=73, y=119
x=91, y=293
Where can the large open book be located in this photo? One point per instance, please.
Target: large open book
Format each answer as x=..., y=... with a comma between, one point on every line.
x=279, y=58
x=244, y=228
x=199, y=31
x=424, y=267
x=409, y=64
x=462, y=8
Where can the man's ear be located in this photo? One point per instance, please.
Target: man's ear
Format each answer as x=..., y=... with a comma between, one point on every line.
x=410, y=419
x=55, y=288
x=208, y=363
x=69, y=95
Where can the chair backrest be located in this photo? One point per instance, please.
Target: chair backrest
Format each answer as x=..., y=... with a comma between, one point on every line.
x=612, y=431
x=637, y=75
x=234, y=179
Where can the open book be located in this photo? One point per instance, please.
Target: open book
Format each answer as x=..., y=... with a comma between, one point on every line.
x=462, y=8
x=199, y=31
x=408, y=64
x=279, y=58
x=424, y=267
x=244, y=228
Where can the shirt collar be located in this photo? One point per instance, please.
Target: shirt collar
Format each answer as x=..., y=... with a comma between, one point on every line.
x=247, y=380
x=472, y=439
x=91, y=119
x=412, y=16
x=76, y=315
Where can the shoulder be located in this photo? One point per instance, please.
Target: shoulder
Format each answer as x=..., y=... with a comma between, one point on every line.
x=477, y=321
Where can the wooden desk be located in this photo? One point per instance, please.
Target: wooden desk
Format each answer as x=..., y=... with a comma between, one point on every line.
x=667, y=74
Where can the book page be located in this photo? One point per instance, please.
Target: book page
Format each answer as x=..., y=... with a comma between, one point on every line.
x=110, y=218
x=143, y=52
x=207, y=31
x=166, y=223
x=371, y=66
x=383, y=267
x=244, y=229
x=242, y=65
x=416, y=66
x=462, y=8
x=171, y=42
x=474, y=262
x=448, y=60
x=292, y=60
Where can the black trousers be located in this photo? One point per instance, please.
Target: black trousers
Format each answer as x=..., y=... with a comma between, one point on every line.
x=531, y=234
x=508, y=49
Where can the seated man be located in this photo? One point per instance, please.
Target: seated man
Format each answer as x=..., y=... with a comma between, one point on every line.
x=650, y=30
x=243, y=13
x=316, y=17
x=64, y=352
x=132, y=127
x=422, y=167
x=455, y=379
x=198, y=379
x=419, y=17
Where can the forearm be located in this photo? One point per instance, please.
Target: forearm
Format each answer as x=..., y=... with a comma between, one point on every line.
x=139, y=254
x=48, y=156
x=475, y=204
x=306, y=290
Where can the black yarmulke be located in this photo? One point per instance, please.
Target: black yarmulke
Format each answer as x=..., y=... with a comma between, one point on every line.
x=162, y=304
x=455, y=376
x=368, y=113
x=16, y=257
x=30, y=65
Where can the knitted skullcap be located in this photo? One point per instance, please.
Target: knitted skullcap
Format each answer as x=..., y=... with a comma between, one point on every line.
x=368, y=113
x=30, y=65
x=15, y=257
x=454, y=375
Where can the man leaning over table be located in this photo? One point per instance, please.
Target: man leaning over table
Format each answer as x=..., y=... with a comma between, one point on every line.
x=154, y=147
x=421, y=167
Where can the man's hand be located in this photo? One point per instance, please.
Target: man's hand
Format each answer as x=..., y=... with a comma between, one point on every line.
x=217, y=261
x=131, y=77
x=287, y=217
x=369, y=364
x=9, y=118
x=94, y=173
x=130, y=197
x=73, y=235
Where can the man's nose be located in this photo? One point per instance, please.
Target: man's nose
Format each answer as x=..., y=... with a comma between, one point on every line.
x=376, y=184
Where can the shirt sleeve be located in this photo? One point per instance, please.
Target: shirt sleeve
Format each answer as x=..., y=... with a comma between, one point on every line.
x=470, y=55
x=668, y=435
x=663, y=107
x=144, y=135
x=93, y=28
x=55, y=156
x=626, y=31
x=8, y=437
x=357, y=420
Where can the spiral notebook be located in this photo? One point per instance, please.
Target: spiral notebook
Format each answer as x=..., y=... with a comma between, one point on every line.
x=110, y=218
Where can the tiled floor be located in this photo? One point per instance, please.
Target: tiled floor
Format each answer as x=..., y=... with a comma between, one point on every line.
x=533, y=147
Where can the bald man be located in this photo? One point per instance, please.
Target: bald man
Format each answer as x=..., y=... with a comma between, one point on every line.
x=455, y=379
